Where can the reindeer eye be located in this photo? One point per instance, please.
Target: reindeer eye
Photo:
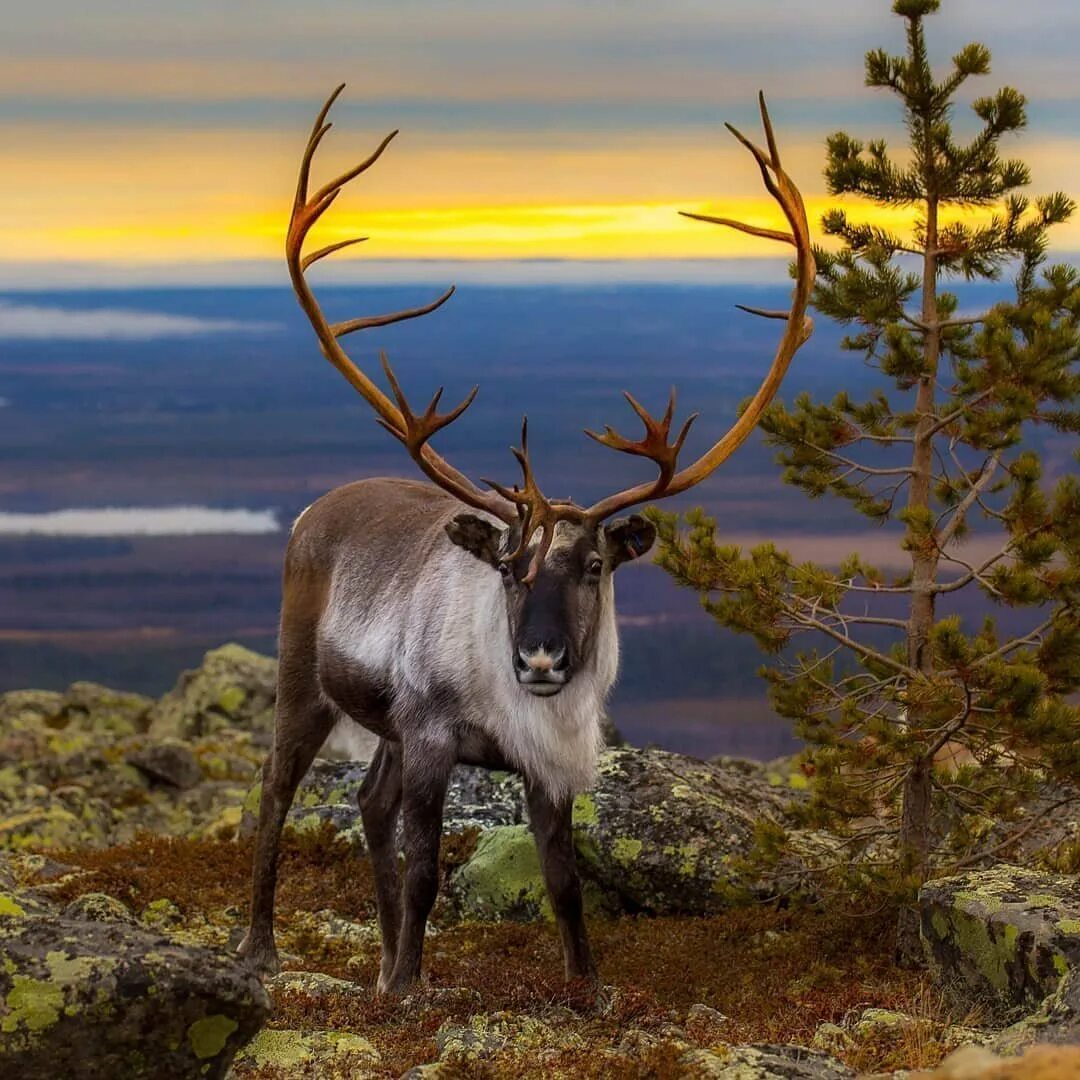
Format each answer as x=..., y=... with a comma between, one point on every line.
x=593, y=567
x=506, y=570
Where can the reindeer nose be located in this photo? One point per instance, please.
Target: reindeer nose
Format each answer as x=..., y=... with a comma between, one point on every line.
x=543, y=659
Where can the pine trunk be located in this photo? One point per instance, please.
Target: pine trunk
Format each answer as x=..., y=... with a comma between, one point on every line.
x=916, y=809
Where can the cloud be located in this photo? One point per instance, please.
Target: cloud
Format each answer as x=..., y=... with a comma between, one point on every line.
x=30, y=322
x=140, y=521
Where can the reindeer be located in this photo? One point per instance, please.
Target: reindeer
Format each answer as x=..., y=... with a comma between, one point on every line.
x=460, y=623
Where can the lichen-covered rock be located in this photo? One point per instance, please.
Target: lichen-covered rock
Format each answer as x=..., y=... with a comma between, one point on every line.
x=315, y=984
x=99, y=907
x=308, y=1055
x=105, y=1000
x=233, y=687
x=99, y=709
x=1057, y=1020
x=486, y=1036
x=477, y=799
x=29, y=709
x=661, y=830
x=764, y=1062
x=1002, y=937
x=71, y=777
x=169, y=762
x=84, y=706
x=978, y=1063
x=503, y=879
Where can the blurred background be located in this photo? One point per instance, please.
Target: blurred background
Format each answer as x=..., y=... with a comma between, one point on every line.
x=165, y=414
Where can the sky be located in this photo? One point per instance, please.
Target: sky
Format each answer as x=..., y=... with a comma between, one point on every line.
x=158, y=140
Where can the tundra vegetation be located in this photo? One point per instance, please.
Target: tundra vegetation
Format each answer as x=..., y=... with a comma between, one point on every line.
x=927, y=735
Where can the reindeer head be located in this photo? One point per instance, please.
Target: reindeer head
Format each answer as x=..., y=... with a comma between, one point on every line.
x=555, y=557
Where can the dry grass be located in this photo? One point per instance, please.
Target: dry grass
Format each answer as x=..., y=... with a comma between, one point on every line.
x=777, y=974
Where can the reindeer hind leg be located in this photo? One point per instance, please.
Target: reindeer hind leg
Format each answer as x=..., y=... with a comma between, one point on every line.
x=301, y=726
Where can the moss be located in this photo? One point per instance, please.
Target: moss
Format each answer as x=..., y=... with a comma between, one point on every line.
x=503, y=878
x=33, y=1004
x=585, y=812
x=231, y=698
x=1068, y=926
x=10, y=906
x=977, y=942
x=208, y=1036
x=625, y=850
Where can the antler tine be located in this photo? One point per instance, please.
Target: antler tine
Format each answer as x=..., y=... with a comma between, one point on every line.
x=315, y=256
x=655, y=443
x=535, y=510
x=318, y=130
x=413, y=430
x=340, y=329
x=797, y=331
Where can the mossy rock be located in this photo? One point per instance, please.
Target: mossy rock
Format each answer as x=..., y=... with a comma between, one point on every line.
x=318, y=1055
x=99, y=907
x=99, y=709
x=764, y=1061
x=1002, y=937
x=233, y=687
x=503, y=879
x=662, y=831
x=1057, y=1020
x=477, y=799
x=488, y=1036
x=23, y=710
x=105, y=1000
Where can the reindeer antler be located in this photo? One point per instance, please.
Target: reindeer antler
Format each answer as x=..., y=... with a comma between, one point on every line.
x=526, y=507
x=796, y=333
x=414, y=431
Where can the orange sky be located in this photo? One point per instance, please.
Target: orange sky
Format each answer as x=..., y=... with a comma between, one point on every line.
x=170, y=133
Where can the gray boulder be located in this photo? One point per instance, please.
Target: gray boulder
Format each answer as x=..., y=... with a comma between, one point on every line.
x=765, y=1061
x=477, y=799
x=662, y=831
x=110, y=1001
x=1002, y=937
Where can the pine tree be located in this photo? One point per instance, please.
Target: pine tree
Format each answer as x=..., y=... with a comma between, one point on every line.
x=889, y=684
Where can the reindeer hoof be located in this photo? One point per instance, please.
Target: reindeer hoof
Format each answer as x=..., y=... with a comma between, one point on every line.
x=259, y=955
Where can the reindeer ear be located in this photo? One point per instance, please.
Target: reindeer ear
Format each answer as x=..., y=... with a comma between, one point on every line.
x=629, y=538
x=477, y=536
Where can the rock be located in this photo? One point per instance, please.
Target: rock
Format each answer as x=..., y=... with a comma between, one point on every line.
x=1002, y=937
x=477, y=799
x=84, y=706
x=1057, y=1020
x=764, y=1062
x=29, y=709
x=315, y=984
x=705, y=1024
x=105, y=1000
x=169, y=762
x=978, y=1063
x=234, y=687
x=661, y=830
x=487, y=1035
x=318, y=1055
x=502, y=880
x=99, y=907
x=831, y=1039
x=93, y=708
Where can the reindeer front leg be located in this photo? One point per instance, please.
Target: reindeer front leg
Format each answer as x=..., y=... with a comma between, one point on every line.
x=426, y=768
x=552, y=827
